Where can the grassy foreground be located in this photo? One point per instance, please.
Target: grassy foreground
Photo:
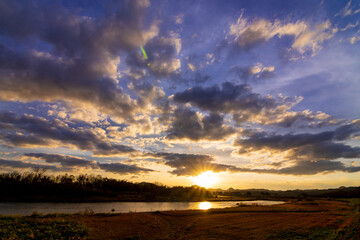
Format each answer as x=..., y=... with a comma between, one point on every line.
x=305, y=219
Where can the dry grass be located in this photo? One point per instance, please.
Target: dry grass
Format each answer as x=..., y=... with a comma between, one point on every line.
x=316, y=219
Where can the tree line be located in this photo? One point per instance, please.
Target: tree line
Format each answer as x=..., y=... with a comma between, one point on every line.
x=37, y=186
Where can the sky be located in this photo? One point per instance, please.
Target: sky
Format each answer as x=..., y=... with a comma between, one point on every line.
x=253, y=94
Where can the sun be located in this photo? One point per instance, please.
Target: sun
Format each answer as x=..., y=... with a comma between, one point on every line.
x=205, y=179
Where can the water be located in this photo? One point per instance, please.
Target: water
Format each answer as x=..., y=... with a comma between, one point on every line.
x=118, y=207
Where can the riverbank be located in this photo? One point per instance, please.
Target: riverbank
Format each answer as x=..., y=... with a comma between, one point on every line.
x=305, y=219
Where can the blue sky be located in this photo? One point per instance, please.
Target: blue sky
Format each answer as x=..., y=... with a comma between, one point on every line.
x=261, y=93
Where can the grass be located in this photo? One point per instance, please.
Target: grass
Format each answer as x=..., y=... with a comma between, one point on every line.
x=315, y=219
x=41, y=227
x=313, y=233
x=347, y=228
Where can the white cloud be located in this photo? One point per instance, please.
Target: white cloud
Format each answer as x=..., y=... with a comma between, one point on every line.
x=306, y=37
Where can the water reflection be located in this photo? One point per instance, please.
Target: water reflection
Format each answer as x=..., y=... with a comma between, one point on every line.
x=204, y=205
x=119, y=207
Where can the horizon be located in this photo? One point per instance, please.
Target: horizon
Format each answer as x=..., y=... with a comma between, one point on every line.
x=233, y=94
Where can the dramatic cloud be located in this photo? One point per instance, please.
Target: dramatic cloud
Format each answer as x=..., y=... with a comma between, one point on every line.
x=80, y=62
x=230, y=98
x=306, y=38
x=191, y=164
x=306, y=168
x=187, y=86
x=309, y=153
x=188, y=124
x=245, y=105
x=260, y=140
x=74, y=162
x=31, y=131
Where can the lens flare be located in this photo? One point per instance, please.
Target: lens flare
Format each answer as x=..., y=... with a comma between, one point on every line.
x=144, y=53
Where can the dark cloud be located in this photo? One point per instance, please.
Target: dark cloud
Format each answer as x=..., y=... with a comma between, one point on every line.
x=191, y=164
x=236, y=99
x=123, y=168
x=20, y=164
x=73, y=162
x=260, y=140
x=245, y=105
x=306, y=168
x=309, y=153
x=78, y=55
x=64, y=160
x=27, y=130
x=188, y=125
x=227, y=99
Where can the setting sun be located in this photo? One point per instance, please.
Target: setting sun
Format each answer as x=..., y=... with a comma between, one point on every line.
x=206, y=179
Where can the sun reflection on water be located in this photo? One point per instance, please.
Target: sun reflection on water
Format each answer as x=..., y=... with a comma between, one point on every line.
x=204, y=205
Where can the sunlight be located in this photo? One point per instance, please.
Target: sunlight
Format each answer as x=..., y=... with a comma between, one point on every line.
x=205, y=179
x=204, y=205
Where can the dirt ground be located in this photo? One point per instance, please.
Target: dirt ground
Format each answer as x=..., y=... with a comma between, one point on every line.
x=306, y=219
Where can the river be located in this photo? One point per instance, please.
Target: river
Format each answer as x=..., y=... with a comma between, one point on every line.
x=26, y=209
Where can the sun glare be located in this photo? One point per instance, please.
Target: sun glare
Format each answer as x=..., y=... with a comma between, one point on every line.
x=204, y=205
x=205, y=179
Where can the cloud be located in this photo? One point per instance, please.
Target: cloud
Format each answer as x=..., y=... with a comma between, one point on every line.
x=190, y=164
x=123, y=168
x=64, y=160
x=347, y=11
x=247, y=106
x=80, y=63
x=305, y=118
x=309, y=153
x=354, y=39
x=260, y=140
x=162, y=55
x=31, y=131
x=226, y=100
x=191, y=67
x=256, y=72
x=76, y=162
x=188, y=124
x=306, y=38
x=179, y=19
x=20, y=164
x=306, y=168
x=238, y=100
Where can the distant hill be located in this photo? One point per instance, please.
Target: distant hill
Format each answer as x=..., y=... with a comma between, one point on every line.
x=341, y=192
